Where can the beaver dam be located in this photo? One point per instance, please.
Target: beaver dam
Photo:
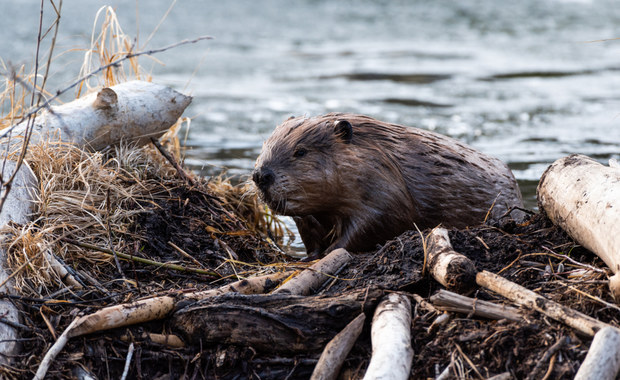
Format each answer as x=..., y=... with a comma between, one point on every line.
x=119, y=263
x=182, y=236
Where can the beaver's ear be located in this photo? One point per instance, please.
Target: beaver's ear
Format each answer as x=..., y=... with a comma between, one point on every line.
x=344, y=130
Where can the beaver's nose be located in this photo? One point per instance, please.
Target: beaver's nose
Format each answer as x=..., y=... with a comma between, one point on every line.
x=263, y=177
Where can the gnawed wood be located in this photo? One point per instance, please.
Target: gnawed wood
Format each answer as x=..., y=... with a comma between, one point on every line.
x=449, y=301
x=603, y=359
x=311, y=279
x=337, y=350
x=583, y=197
x=525, y=297
x=274, y=323
x=132, y=111
x=451, y=269
x=155, y=308
x=392, y=354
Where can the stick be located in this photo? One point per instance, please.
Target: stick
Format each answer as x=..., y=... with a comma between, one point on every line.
x=127, y=362
x=451, y=269
x=140, y=259
x=546, y=358
x=603, y=359
x=525, y=297
x=155, y=308
x=182, y=173
x=337, y=350
x=392, y=354
x=449, y=301
x=51, y=354
x=312, y=278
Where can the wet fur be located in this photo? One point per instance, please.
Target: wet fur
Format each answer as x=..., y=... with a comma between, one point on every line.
x=360, y=190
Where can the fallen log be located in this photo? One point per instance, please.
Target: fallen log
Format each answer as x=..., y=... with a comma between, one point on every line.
x=274, y=323
x=132, y=111
x=451, y=269
x=583, y=197
x=603, y=359
x=336, y=351
x=311, y=279
x=392, y=355
x=525, y=297
x=155, y=308
x=449, y=301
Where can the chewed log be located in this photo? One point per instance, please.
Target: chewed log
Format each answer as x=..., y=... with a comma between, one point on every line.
x=583, y=197
x=134, y=111
x=451, y=269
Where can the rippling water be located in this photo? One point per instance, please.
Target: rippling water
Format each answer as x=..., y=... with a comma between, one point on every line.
x=518, y=80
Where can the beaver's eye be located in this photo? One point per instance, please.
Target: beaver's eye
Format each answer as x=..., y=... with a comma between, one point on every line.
x=300, y=152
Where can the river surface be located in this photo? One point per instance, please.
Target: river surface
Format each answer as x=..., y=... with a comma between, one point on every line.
x=528, y=81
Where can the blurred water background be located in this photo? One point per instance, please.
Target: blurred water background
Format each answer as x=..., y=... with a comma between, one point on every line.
x=520, y=80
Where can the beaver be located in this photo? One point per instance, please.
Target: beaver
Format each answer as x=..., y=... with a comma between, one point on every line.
x=351, y=181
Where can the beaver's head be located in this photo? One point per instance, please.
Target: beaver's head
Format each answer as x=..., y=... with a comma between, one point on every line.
x=299, y=171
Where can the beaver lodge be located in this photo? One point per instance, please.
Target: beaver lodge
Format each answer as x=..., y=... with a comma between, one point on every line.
x=122, y=264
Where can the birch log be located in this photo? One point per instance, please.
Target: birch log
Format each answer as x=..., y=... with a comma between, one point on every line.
x=18, y=207
x=133, y=111
x=603, y=359
x=390, y=333
x=308, y=281
x=583, y=197
x=451, y=269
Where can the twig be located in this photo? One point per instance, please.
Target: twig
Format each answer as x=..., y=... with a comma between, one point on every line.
x=172, y=161
x=54, y=351
x=468, y=360
x=140, y=259
x=545, y=359
x=127, y=362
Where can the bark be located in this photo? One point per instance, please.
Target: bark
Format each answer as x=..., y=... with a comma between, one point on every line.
x=583, y=197
x=525, y=297
x=392, y=354
x=448, y=301
x=337, y=350
x=274, y=323
x=311, y=279
x=133, y=111
x=451, y=269
x=603, y=359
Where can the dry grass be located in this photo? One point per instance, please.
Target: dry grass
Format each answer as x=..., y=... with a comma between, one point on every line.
x=94, y=197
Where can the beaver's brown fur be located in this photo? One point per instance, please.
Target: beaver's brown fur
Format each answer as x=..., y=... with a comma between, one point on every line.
x=351, y=181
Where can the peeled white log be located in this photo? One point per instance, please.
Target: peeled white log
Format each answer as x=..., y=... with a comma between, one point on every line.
x=603, y=359
x=19, y=208
x=583, y=197
x=451, y=269
x=308, y=281
x=392, y=354
x=132, y=111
